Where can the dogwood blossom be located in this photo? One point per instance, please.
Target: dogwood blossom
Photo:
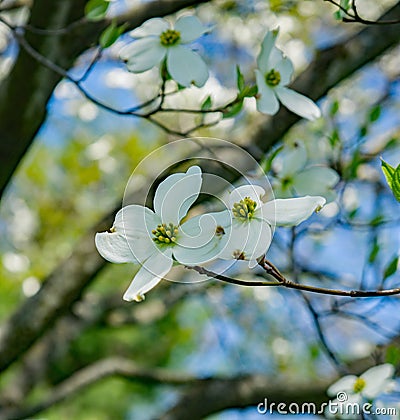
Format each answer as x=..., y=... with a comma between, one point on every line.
x=250, y=233
x=354, y=390
x=295, y=177
x=154, y=239
x=161, y=42
x=273, y=74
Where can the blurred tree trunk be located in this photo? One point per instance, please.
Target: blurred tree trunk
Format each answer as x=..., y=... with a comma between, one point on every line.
x=25, y=92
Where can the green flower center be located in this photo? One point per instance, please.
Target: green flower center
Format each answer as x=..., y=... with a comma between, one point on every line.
x=244, y=210
x=170, y=37
x=165, y=234
x=273, y=78
x=359, y=385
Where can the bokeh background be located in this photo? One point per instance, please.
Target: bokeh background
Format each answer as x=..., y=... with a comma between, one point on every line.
x=199, y=347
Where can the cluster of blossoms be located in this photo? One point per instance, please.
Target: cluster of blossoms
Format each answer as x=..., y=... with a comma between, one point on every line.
x=159, y=43
x=156, y=239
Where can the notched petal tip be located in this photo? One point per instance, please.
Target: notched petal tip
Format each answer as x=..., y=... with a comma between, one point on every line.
x=140, y=297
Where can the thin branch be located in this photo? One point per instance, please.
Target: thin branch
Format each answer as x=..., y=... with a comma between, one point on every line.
x=283, y=282
x=355, y=16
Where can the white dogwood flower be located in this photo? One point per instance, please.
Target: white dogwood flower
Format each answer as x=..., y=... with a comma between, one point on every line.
x=273, y=74
x=252, y=220
x=159, y=41
x=155, y=239
x=351, y=389
x=295, y=177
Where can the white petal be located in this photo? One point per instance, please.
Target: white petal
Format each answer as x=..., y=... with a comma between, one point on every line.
x=315, y=180
x=143, y=54
x=252, y=239
x=285, y=69
x=114, y=247
x=345, y=384
x=176, y=194
x=291, y=211
x=291, y=160
x=186, y=67
x=266, y=47
x=135, y=223
x=198, y=242
x=149, y=275
x=254, y=192
x=190, y=28
x=267, y=103
x=274, y=59
x=155, y=26
x=376, y=379
x=297, y=103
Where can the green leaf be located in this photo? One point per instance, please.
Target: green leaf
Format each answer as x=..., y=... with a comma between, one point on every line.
x=239, y=79
x=353, y=213
x=338, y=15
x=334, y=138
x=377, y=220
x=267, y=163
x=388, y=171
x=396, y=183
x=334, y=108
x=374, y=252
x=206, y=105
x=96, y=9
x=363, y=131
x=391, y=268
x=233, y=109
x=111, y=34
x=375, y=113
x=392, y=355
x=248, y=91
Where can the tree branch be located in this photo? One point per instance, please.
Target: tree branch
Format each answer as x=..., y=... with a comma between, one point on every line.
x=243, y=390
x=283, y=282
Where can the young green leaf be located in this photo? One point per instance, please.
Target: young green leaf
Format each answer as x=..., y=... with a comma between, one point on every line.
x=239, y=79
x=375, y=113
x=206, y=105
x=267, y=163
x=396, y=183
x=248, y=91
x=374, y=252
x=233, y=110
x=110, y=35
x=388, y=171
x=391, y=268
x=96, y=9
x=334, y=109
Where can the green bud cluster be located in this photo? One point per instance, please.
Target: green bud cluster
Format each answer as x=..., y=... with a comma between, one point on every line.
x=165, y=233
x=244, y=210
x=273, y=78
x=170, y=37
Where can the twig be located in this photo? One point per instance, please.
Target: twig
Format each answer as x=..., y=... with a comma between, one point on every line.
x=355, y=16
x=283, y=282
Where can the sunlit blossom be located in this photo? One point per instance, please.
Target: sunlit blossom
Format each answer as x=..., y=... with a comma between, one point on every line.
x=159, y=42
